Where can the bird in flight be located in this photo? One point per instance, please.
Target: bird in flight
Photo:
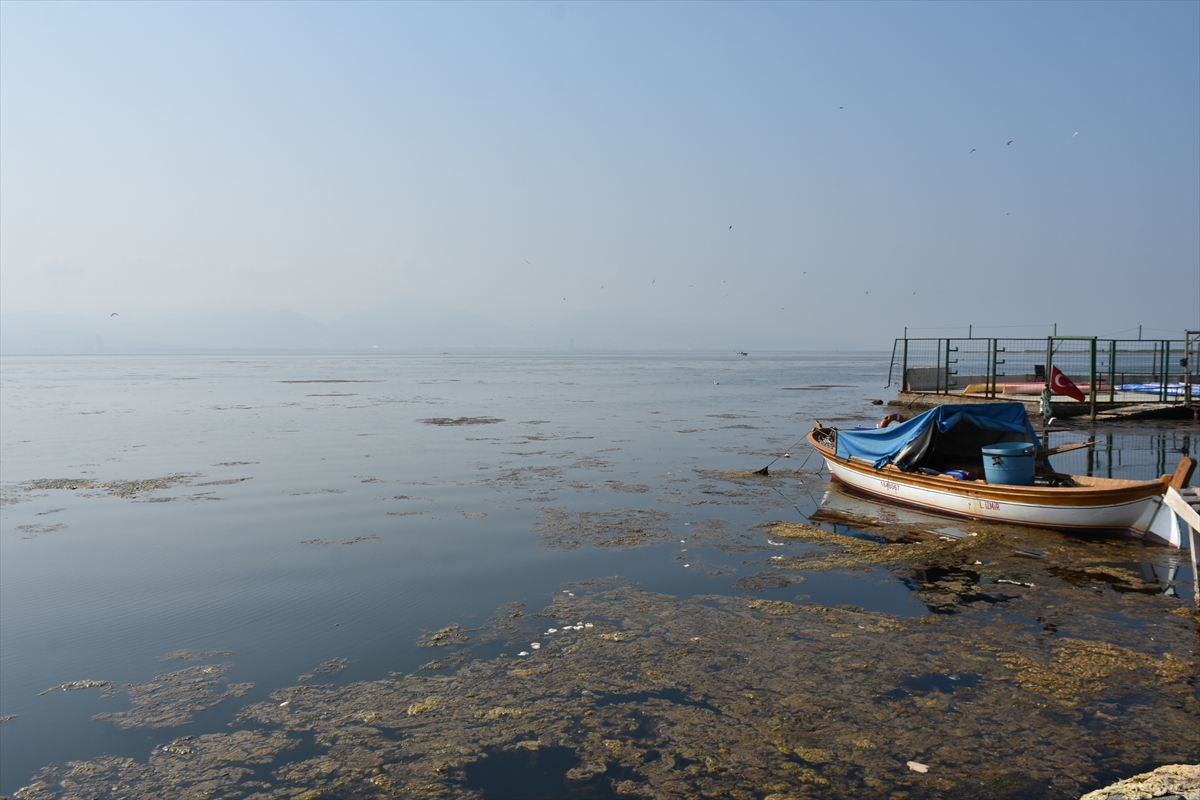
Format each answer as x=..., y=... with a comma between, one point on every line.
x=1010, y=141
x=973, y=149
x=527, y=262
x=114, y=314
x=1073, y=135
x=730, y=227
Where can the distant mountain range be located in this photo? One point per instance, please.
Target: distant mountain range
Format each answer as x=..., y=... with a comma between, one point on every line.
x=398, y=325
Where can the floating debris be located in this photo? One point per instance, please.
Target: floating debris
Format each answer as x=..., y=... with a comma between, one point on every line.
x=353, y=540
x=635, y=488
x=125, y=489
x=620, y=528
x=333, y=666
x=917, y=767
x=451, y=634
x=461, y=421
x=106, y=687
x=195, y=655
x=173, y=698
x=766, y=580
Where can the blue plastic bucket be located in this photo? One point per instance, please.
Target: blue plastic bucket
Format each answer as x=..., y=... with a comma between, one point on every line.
x=1009, y=463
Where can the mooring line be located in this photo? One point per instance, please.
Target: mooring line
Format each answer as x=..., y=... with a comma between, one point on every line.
x=788, y=451
x=793, y=504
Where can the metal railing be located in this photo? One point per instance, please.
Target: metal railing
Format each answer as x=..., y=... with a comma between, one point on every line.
x=1105, y=370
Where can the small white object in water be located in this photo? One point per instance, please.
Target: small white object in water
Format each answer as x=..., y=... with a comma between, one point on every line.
x=915, y=767
x=787, y=455
x=570, y=594
x=683, y=541
x=285, y=703
x=686, y=566
x=777, y=558
x=776, y=544
x=552, y=630
x=588, y=625
x=536, y=646
x=695, y=638
x=523, y=653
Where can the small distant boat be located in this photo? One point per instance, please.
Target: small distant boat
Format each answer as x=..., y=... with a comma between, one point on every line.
x=742, y=353
x=935, y=462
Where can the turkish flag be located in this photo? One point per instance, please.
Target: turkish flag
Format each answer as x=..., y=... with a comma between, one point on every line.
x=1061, y=384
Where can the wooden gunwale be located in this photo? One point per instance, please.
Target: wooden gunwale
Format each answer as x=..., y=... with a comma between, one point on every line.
x=1103, y=492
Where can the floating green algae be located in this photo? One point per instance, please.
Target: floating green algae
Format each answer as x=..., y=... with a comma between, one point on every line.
x=719, y=696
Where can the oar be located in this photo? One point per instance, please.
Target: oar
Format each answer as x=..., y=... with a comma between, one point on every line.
x=1053, y=451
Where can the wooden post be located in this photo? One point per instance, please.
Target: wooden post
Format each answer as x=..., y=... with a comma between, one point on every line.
x=1183, y=473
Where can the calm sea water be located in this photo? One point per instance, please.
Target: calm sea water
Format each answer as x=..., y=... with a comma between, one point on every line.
x=321, y=516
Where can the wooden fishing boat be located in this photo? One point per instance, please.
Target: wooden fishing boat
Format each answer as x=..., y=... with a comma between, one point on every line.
x=908, y=464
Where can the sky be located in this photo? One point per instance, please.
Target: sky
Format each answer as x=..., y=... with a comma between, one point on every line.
x=808, y=171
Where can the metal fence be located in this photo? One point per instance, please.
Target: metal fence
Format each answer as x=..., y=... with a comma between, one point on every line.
x=1113, y=370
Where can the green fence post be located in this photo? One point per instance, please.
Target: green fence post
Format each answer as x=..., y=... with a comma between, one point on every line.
x=1092, y=379
x=1166, y=368
x=1112, y=372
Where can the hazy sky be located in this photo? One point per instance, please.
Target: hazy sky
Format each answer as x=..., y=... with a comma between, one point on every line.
x=498, y=158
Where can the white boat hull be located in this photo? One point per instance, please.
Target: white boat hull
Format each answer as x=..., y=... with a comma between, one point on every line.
x=1147, y=515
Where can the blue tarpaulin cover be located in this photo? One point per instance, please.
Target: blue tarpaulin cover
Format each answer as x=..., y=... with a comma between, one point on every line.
x=903, y=444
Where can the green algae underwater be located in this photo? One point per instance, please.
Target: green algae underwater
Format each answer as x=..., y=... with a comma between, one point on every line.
x=633, y=693
x=1009, y=663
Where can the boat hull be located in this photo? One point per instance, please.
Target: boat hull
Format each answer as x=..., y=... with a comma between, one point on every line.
x=1124, y=506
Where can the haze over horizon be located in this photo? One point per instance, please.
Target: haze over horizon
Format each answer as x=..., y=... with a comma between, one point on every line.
x=751, y=175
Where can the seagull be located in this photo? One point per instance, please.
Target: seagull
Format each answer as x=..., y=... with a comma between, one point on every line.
x=114, y=314
x=1010, y=141
x=1073, y=135
x=527, y=262
x=973, y=149
x=730, y=227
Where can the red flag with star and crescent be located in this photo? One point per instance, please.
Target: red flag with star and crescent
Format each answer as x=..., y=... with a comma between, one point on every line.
x=1061, y=384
